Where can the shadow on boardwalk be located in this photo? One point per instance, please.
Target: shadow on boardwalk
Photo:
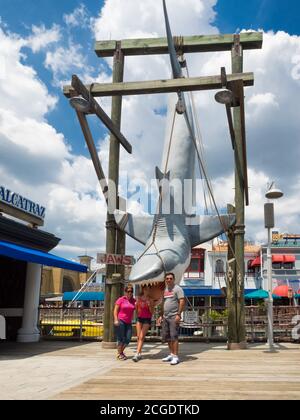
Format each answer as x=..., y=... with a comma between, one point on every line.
x=84, y=371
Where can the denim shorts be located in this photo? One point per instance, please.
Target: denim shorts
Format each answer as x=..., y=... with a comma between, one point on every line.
x=144, y=320
x=123, y=333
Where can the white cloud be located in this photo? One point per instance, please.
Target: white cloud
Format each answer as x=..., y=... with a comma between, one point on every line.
x=22, y=93
x=263, y=99
x=79, y=17
x=42, y=37
x=65, y=60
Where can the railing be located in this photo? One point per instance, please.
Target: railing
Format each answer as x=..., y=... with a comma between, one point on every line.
x=200, y=323
x=79, y=323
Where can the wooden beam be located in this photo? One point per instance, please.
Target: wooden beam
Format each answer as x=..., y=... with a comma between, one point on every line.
x=79, y=87
x=191, y=44
x=93, y=152
x=162, y=86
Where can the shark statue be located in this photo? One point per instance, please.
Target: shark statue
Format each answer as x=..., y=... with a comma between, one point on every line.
x=170, y=234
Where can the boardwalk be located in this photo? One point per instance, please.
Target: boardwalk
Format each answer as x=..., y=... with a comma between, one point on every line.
x=52, y=370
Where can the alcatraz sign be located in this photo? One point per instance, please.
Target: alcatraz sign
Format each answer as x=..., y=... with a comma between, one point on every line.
x=115, y=259
x=19, y=206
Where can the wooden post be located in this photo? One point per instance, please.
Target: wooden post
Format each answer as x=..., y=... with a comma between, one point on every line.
x=115, y=242
x=236, y=321
x=230, y=283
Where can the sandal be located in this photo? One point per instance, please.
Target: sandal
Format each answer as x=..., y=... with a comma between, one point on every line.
x=121, y=356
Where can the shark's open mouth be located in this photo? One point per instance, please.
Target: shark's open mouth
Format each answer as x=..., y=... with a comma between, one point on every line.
x=154, y=291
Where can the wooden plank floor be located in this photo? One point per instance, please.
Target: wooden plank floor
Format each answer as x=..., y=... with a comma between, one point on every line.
x=207, y=371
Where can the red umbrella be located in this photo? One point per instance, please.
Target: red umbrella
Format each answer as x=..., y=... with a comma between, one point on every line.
x=283, y=291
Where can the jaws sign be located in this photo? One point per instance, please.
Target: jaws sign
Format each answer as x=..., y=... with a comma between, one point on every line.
x=115, y=259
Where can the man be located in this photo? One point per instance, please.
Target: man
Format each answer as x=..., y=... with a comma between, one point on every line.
x=173, y=305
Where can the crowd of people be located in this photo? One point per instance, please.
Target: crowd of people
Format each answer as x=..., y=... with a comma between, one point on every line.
x=169, y=319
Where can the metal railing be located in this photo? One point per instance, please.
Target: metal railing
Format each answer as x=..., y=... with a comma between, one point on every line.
x=78, y=323
x=199, y=323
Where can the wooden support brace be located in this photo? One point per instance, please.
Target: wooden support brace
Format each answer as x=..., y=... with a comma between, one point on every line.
x=93, y=152
x=79, y=87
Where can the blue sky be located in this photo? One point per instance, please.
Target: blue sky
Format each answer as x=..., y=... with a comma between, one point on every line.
x=43, y=154
x=258, y=14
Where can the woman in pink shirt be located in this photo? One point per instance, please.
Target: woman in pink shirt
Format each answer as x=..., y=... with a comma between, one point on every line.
x=144, y=310
x=123, y=314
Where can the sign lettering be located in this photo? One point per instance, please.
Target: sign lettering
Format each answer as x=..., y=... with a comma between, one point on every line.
x=115, y=259
x=14, y=200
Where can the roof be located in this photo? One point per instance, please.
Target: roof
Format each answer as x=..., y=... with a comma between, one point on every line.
x=223, y=247
x=83, y=295
x=23, y=253
x=198, y=291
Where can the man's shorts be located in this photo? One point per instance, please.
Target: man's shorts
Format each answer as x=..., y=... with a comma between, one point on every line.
x=169, y=329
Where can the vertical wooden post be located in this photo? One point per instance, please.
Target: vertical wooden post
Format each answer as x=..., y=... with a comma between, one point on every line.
x=236, y=330
x=230, y=283
x=115, y=242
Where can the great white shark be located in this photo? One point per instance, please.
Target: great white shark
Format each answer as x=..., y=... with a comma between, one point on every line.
x=171, y=233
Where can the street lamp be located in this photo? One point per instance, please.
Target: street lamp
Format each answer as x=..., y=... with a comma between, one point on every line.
x=271, y=194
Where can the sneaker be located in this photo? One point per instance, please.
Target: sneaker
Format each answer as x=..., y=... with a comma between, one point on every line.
x=136, y=357
x=168, y=358
x=174, y=361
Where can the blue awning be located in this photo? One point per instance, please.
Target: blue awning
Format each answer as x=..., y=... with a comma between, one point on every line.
x=83, y=295
x=206, y=292
x=23, y=253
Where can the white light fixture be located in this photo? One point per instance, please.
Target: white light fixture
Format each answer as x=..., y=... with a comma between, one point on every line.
x=273, y=192
x=80, y=104
x=224, y=97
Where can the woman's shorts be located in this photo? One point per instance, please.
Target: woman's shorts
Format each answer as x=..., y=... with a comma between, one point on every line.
x=144, y=320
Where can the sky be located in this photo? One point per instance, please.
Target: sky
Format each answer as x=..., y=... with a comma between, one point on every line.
x=42, y=151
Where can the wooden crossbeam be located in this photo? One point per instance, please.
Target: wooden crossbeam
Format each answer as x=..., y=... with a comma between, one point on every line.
x=163, y=86
x=191, y=44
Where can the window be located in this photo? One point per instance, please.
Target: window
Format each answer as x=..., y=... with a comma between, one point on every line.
x=219, y=267
x=250, y=269
x=197, y=262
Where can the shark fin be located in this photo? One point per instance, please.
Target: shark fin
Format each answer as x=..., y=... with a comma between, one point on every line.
x=138, y=227
x=203, y=228
x=160, y=175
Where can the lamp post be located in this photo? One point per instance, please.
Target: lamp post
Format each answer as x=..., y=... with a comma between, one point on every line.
x=271, y=194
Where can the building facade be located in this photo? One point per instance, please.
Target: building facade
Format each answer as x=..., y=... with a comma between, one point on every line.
x=205, y=279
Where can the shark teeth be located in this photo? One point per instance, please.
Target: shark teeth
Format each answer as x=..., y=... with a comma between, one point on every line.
x=149, y=283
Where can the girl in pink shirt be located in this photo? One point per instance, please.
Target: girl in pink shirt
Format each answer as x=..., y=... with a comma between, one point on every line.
x=144, y=314
x=123, y=314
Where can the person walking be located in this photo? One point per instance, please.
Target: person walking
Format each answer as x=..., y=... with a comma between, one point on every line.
x=172, y=308
x=123, y=314
x=144, y=311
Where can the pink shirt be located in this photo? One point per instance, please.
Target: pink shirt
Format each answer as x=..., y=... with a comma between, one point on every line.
x=126, y=310
x=143, y=310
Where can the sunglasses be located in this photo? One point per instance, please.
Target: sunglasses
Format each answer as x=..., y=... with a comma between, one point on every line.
x=129, y=291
